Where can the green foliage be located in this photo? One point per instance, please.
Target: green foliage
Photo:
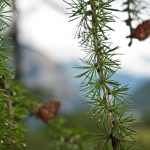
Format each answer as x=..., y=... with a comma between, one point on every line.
x=12, y=116
x=16, y=102
x=107, y=97
x=12, y=110
x=5, y=9
x=65, y=138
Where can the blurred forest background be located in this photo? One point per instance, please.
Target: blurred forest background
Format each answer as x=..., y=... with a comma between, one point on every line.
x=48, y=53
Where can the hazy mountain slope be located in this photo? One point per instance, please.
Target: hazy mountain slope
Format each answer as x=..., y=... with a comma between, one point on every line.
x=141, y=98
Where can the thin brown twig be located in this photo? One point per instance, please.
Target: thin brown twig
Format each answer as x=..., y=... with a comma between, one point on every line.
x=11, y=115
x=100, y=72
x=129, y=21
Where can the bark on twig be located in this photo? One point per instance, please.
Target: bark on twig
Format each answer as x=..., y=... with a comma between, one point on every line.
x=100, y=72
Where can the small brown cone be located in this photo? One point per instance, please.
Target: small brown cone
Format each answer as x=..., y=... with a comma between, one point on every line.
x=142, y=31
x=48, y=110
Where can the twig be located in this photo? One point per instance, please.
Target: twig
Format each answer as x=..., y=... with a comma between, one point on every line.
x=129, y=21
x=101, y=75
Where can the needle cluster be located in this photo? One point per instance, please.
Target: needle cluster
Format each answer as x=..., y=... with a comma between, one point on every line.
x=106, y=96
x=12, y=108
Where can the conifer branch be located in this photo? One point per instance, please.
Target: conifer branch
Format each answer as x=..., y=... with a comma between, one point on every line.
x=107, y=97
x=11, y=118
x=100, y=72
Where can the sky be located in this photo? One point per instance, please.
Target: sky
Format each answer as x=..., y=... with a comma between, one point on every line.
x=45, y=27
